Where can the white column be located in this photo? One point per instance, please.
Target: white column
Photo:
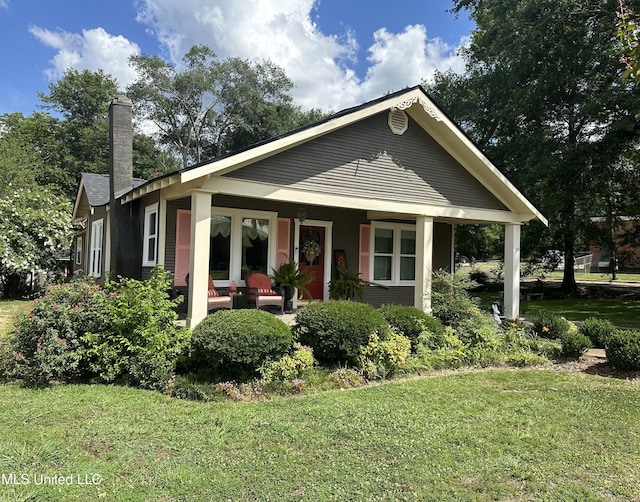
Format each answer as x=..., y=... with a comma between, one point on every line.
x=424, y=263
x=199, y=267
x=512, y=270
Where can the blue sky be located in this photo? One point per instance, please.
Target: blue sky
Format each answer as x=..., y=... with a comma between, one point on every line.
x=339, y=53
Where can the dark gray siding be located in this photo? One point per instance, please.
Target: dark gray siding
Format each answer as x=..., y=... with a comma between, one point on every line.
x=366, y=159
x=346, y=236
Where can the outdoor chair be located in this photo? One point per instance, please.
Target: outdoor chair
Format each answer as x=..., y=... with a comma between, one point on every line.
x=214, y=299
x=261, y=291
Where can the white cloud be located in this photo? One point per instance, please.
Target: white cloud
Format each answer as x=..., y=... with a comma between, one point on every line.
x=92, y=50
x=4, y=4
x=322, y=66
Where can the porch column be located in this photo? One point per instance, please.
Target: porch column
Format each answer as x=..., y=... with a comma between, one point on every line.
x=424, y=263
x=199, y=266
x=512, y=270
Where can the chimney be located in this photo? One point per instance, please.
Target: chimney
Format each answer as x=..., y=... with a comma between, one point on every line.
x=120, y=147
x=121, y=239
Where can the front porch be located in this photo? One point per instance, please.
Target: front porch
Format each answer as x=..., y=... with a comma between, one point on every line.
x=396, y=255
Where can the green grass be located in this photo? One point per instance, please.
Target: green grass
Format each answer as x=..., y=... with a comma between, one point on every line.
x=622, y=313
x=480, y=435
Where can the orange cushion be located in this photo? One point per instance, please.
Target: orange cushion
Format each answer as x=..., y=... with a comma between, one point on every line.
x=213, y=292
x=267, y=292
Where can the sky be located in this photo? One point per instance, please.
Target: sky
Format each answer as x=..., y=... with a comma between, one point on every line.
x=338, y=53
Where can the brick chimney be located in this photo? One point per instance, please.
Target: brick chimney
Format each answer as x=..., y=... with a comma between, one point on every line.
x=122, y=237
x=120, y=147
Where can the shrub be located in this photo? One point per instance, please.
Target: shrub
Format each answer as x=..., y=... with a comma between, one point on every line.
x=551, y=326
x=337, y=329
x=289, y=367
x=236, y=343
x=598, y=330
x=623, y=349
x=574, y=343
x=479, y=330
x=47, y=344
x=450, y=299
x=380, y=357
x=346, y=378
x=141, y=343
x=413, y=323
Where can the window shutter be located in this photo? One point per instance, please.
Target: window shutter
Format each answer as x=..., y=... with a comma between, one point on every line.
x=183, y=246
x=283, y=236
x=364, y=261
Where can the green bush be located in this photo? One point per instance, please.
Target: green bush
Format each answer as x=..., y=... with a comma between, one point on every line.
x=141, y=343
x=346, y=378
x=551, y=326
x=574, y=343
x=450, y=299
x=236, y=343
x=337, y=329
x=47, y=344
x=380, y=357
x=479, y=330
x=597, y=330
x=413, y=323
x=623, y=349
x=289, y=367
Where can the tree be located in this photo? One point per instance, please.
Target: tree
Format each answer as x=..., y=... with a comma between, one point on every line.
x=213, y=107
x=35, y=231
x=82, y=136
x=629, y=36
x=543, y=96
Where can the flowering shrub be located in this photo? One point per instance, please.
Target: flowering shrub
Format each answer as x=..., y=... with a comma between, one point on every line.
x=77, y=331
x=551, y=326
x=47, y=343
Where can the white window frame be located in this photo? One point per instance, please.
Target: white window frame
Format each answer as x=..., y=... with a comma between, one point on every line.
x=150, y=234
x=396, y=256
x=79, y=242
x=97, y=255
x=235, y=251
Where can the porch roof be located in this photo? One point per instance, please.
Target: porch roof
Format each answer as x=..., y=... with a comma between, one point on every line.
x=418, y=106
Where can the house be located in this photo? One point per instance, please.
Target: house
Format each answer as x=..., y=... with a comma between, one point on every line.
x=381, y=185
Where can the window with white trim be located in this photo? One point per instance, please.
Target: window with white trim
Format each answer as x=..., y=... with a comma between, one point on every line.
x=79, y=250
x=150, y=240
x=241, y=241
x=394, y=253
x=95, y=267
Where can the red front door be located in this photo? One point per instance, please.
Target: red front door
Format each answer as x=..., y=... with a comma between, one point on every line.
x=312, y=257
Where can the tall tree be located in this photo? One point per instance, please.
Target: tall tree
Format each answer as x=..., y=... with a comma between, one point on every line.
x=543, y=96
x=212, y=107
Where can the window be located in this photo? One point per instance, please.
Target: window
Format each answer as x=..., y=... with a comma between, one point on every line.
x=96, y=248
x=394, y=253
x=241, y=241
x=150, y=241
x=79, y=250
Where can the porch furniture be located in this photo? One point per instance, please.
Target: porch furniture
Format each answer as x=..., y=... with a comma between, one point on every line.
x=214, y=299
x=217, y=301
x=261, y=291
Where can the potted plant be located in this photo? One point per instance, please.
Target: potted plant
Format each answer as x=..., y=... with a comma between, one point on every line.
x=290, y=277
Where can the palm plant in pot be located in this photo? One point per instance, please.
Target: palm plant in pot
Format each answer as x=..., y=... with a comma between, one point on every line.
x=289, y=277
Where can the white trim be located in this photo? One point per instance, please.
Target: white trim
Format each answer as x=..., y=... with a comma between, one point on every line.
x=150, y=234
x=235, y=253
x=79, y=245
x=328, y=253
x=512, y=271
x=424, y=263
x=268, y=191
x=96, y=250
x=396, y=256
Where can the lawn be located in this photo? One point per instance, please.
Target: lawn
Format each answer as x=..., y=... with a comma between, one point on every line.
x=622, y=313
x=474, y=435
